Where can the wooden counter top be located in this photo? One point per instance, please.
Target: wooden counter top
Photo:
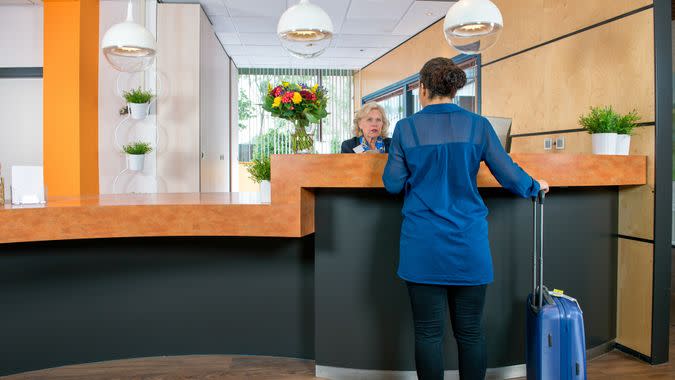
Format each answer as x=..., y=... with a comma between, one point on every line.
x=291, y=213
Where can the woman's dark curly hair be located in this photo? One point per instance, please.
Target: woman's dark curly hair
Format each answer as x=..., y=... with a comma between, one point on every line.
x=442, y=77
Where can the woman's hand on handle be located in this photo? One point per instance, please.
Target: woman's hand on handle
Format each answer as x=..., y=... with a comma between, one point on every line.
x=543, y=185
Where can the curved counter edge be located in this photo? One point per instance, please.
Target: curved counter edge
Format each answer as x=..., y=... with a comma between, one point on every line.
x=291, y=212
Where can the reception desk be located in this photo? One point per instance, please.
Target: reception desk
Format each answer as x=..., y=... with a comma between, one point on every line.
x=124, y=276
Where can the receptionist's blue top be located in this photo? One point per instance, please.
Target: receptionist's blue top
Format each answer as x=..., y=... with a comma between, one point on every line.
x=434, y=158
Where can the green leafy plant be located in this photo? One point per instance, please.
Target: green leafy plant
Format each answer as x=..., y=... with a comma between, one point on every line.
x=600, y=120
x=626, y=123
x=260, y=169
x=138, y=147
x=137, y=96
x=245, y=109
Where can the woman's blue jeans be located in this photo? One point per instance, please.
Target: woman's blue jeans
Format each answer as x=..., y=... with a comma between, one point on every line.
x=429, y=306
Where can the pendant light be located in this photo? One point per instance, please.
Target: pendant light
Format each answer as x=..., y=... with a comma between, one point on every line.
x=305, y=30
x=471, y=26
x=128, y=46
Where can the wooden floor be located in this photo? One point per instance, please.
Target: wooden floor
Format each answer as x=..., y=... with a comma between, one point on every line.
x=612, y=366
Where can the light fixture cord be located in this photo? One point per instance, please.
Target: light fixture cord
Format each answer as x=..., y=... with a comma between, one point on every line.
x=130, y=12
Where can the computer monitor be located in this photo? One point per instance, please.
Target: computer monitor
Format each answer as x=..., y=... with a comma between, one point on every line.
x=502, y=126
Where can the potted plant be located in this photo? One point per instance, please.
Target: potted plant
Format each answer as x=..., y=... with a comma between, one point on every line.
x=624, y=127
x=260, y=172
x=300, y=104
x=139, y=102
x=136, y=154
x=601, y=123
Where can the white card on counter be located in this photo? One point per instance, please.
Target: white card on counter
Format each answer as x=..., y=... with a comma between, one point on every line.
x=27, y=185
x=359, y=149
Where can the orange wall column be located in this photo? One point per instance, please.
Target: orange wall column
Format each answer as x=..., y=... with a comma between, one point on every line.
x=70, y=97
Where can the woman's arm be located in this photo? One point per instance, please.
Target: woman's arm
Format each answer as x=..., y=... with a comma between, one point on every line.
x=396, y=171
x=508, y=173
x=347, y=147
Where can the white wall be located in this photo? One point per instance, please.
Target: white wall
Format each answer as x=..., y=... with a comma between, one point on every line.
x=233, y=130
x=21, y=29
x=178, y=113
x=21, y=98
x=214, y=111
x=20, y=125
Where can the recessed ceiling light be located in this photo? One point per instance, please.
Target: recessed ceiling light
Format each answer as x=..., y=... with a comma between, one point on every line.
x=429, y=13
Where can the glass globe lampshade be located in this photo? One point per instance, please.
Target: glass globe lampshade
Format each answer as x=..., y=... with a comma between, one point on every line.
x=128, y=46
x=471, y=26
x=305, y=30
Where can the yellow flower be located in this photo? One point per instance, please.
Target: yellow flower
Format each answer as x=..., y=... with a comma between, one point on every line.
x=297, y=98
x=314, y=88
x=285, y=84
x=277, y=102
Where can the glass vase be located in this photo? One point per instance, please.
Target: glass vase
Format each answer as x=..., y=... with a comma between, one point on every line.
x=302, y=141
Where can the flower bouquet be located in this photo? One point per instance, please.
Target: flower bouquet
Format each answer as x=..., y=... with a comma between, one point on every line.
x=301, y=105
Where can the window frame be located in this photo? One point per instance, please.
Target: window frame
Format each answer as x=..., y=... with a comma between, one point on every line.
x=407, y=85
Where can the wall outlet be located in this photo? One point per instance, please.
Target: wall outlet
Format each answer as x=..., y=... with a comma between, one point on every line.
x=560, y=143
x=548, y=143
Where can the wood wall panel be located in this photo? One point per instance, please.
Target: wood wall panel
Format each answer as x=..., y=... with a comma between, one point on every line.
x=406, y=59
x=636, y=212
x=634, y=295
x=547, y=89
x=576, y=142
x=636, y=204
x=549, y=19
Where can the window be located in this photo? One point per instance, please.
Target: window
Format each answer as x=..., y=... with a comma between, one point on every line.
x=403, y=98
x=259, y=130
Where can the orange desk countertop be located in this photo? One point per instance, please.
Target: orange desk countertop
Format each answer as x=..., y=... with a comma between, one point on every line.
x=291, y=212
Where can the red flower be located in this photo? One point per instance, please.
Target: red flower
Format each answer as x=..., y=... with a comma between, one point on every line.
x=287, y=98
x=292, y=107
x=277, y=91
x=307, y=95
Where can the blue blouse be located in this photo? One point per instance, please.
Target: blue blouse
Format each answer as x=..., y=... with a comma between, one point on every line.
x=434, y=158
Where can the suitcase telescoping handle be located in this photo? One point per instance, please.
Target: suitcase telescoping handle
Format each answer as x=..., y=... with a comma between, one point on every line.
x=538, y=289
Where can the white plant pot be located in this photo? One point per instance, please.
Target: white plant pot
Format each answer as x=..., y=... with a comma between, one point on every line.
x=604, y=143
x=622, y=145
x=135, y=162
x=265, y=191
x=139, y=111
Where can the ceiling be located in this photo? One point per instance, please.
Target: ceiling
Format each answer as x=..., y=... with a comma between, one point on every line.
x=20, y=2
x=364, y=29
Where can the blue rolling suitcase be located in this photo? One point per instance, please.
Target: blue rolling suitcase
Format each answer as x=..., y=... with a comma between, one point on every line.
x=555, y=344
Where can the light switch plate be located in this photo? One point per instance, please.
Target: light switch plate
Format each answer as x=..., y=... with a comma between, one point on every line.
x=548, y=142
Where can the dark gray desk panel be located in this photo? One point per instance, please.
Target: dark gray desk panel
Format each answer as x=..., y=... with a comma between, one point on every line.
x=93, y=300
x=363, y=317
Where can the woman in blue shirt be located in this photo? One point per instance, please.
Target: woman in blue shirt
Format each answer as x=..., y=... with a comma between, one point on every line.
x=445, y=259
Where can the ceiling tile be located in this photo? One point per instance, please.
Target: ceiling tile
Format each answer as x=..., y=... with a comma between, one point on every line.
x=235, y=50
x=368, y=26
x=420, y=15
x=229, y=38
x=336, y=9
x=214, y=7
x=361, y=53
x=355, y=40
x=255, y=24
x=259, y=39
x=223, y=24
x=255, y=8
x=378, y=9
